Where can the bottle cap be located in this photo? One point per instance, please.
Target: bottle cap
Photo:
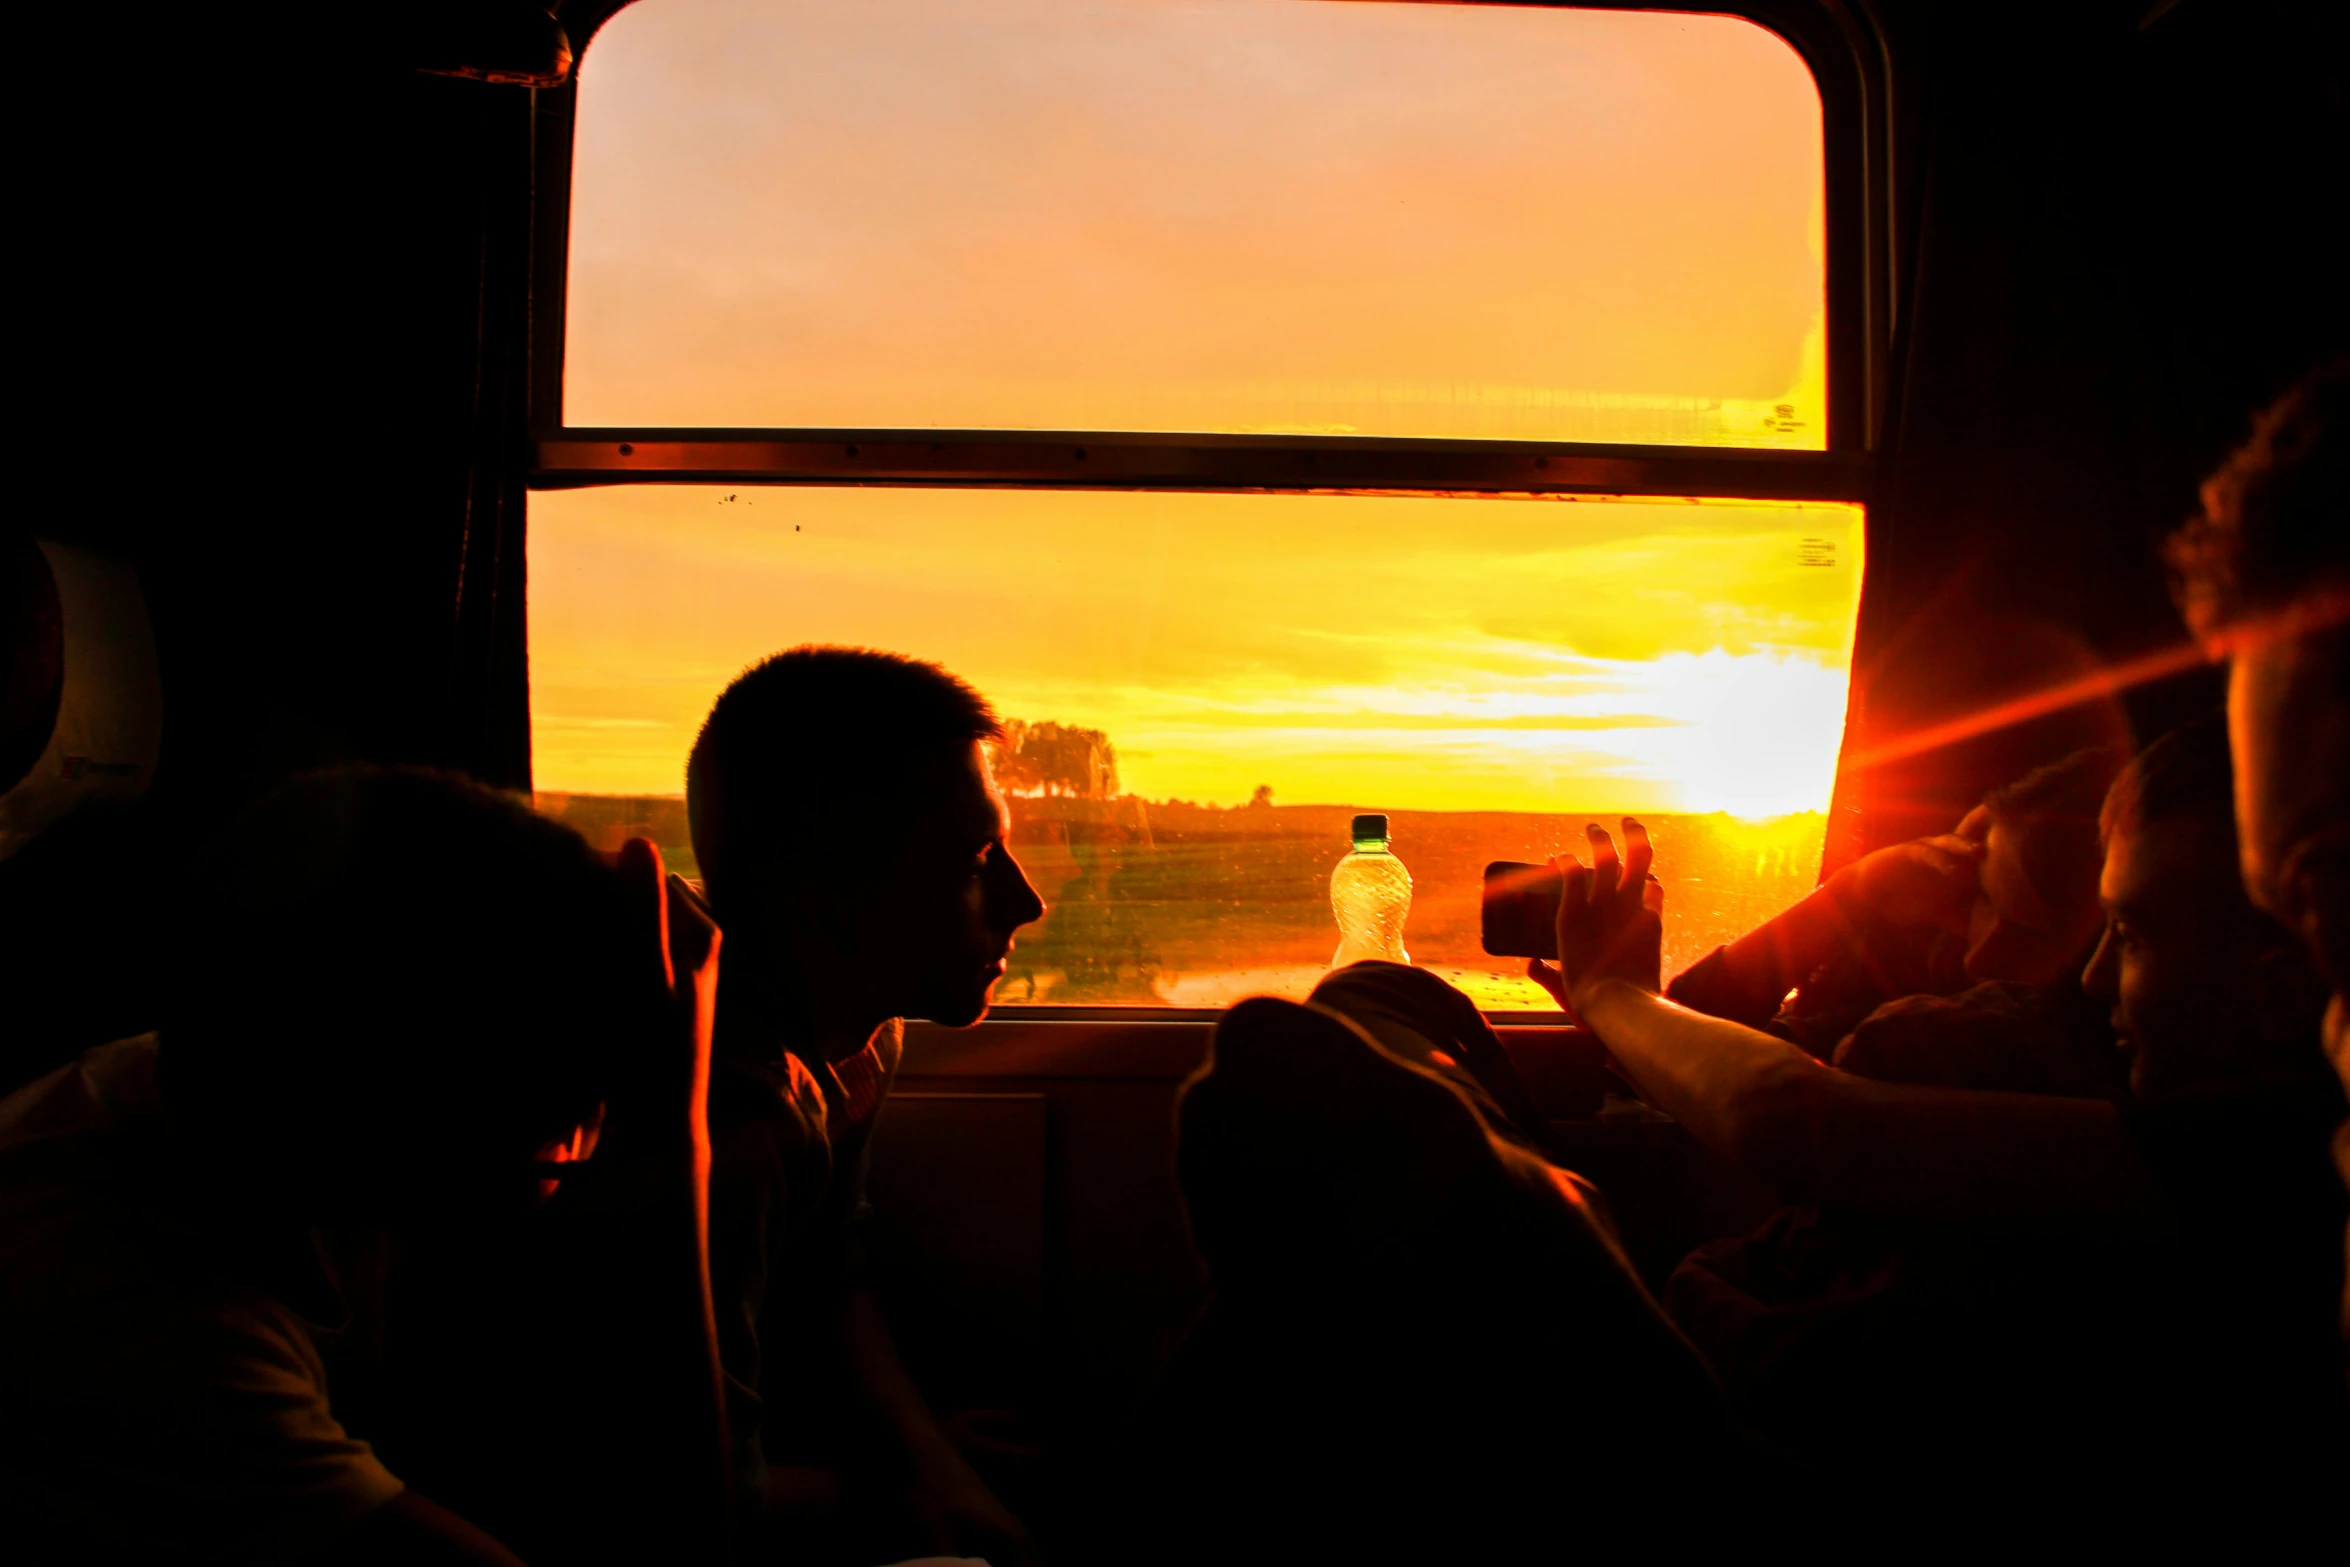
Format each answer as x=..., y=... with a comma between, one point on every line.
x=1370, y=829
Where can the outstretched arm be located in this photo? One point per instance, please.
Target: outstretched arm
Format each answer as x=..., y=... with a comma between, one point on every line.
x=1925, y=884
x=1810, y=1131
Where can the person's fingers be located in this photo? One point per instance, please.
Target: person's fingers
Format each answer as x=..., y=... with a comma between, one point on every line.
x=693, y=935
x=1929, y=856
x=639, y=859
x=1606, y=870
x=1652, y=897
x=640, y=865
x=1638, y=853
x=1573, y=942
x=1956, y=866
x=1549, y=978
x=694, y=940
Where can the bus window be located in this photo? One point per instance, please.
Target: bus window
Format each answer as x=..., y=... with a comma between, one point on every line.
x=1207, y=687
x=1242, y=216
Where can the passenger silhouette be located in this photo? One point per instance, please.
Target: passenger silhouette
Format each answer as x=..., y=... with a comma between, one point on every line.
x=1425, y=1341
x=2130, y=1209
x=852, y=844
x=1868, y=1337
x=406, y=1009
x=2006, y=902
x=2264, y=577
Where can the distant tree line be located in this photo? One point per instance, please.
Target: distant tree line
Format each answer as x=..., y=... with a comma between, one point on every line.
x=1058, y=761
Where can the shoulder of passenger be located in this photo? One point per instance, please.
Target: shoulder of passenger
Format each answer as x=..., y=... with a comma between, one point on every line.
x=759, y=1089
x=765, y=1106
x=804, y=1093
x=889, y=1044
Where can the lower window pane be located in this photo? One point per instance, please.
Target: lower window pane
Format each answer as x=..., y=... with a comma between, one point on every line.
x=1208, y=688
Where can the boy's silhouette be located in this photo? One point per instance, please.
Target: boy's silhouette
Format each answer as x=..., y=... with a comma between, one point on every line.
x=852, y=844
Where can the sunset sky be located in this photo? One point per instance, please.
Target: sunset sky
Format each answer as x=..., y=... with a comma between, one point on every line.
x=1212, y=215
x=1424, y=654
x=1196, y=214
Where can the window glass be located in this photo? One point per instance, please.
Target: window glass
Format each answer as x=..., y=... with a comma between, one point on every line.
x=1210, y=686
x=1216, y=216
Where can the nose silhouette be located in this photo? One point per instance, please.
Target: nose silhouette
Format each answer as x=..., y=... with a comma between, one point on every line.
x=2102, y=977
x=1011, y=900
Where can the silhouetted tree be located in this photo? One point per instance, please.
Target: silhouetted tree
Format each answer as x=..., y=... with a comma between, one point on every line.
x=1261, y=798
x=1057, y=760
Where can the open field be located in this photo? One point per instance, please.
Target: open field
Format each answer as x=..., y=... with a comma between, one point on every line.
x=1165, y=903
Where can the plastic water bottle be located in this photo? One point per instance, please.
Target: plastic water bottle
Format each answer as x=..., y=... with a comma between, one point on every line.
x=1371, y=894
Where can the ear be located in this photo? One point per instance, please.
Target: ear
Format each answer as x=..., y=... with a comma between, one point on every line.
x=2288, y=997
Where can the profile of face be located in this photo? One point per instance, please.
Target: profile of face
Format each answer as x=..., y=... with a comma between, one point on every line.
x=2289, y=732
x=934, y=922
x=2202, y=991
x=2018, y=930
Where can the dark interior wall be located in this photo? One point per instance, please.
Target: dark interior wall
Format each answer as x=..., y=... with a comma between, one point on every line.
x=279, y=359
x=276, y=342
x=2118, y=239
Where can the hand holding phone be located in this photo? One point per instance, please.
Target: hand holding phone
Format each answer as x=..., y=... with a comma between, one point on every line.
x=1608, y=915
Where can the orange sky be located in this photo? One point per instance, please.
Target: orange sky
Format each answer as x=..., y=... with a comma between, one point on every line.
x=1430, y=654
x=1196, y=214
x=1214, y=215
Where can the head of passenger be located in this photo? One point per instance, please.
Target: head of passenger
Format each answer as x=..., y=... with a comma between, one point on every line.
x=852, y=842
x=2035, y=910
x=2206, y=990
x=398, y=996
x=2264, y=577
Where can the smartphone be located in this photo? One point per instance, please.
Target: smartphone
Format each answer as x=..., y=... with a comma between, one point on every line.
x=1521, y=910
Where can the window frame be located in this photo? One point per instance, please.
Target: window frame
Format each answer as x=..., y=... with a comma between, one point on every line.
x=1846, y=61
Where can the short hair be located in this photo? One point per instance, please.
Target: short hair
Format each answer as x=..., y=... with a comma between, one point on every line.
x=2276, y=515
x=810, y=750
x=378, y=960
x=2185, y=773
x=2052, y=813
x=2067, y=790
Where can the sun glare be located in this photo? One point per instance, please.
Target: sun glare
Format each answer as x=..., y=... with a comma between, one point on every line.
x=1760, y=732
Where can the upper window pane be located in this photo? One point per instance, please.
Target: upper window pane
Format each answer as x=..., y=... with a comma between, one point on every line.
x=1216, y=215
